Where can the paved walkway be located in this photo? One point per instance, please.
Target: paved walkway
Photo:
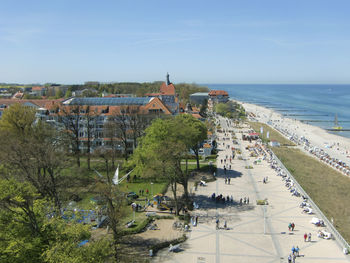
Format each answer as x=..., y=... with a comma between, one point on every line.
x=251, y=237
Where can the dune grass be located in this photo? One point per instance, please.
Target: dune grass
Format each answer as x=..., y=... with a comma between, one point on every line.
x=328, y=188
x=274, y=135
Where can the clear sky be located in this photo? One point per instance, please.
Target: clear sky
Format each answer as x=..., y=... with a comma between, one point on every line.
x=245, y=41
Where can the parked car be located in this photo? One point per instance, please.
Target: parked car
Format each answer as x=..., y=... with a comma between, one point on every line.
x=133, y=195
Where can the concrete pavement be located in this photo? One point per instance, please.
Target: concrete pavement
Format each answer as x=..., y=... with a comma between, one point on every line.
x=254, y=235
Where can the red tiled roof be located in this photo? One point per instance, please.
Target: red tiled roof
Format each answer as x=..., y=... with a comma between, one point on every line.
x=197, y=116
x=153, y=94
x=167, y=89
x=39, y=103
x=218, y=92
x=37, y=88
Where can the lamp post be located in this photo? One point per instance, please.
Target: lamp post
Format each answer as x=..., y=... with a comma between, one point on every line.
x=151, y=189
x=264, y=219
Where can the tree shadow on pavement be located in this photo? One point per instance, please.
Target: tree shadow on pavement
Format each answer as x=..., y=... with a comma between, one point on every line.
x=220, y=173
x=206, y=202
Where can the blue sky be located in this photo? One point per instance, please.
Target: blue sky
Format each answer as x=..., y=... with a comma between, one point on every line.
x=246, y=41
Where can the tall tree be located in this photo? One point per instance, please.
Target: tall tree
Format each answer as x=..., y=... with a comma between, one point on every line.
x=90, y=124
x=121, y=117
x=110, y=133
x=71, y=117
x=138, y=123
x=34, y=154
x=115, y=201
x=193, y=132
x=160, y=152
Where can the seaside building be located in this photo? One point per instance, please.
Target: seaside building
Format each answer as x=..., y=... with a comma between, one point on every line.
x=217, y=96
x=91, y=114
x=199, y=97
x=130, y=114
x=168, y=96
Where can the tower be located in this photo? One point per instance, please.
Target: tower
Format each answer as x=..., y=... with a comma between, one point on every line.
x=167, y=79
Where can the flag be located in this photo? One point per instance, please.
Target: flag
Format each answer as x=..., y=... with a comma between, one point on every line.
x=268, y=135
x=261, y=130
x=116, y=176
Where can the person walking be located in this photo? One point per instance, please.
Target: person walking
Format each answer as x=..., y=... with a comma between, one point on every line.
x=248, y=200
x=229, y=180
x=309, y=237
x=297, y=251
x=305, y=237
x=217, y=223
x=293, y=225
x=289, y=258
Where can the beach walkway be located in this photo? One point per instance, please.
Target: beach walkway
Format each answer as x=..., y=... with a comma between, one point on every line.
x=254, y=234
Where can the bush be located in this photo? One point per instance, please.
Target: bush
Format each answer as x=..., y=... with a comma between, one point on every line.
x=165, y=244
x=138, y=228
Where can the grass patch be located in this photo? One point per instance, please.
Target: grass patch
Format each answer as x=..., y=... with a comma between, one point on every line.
x=328, y=188
x=141, y=221
x=274, y=135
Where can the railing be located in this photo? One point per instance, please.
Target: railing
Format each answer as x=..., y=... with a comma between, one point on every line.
x=338, y=237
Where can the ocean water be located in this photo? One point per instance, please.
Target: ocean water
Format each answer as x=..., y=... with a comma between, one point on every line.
x=318, y=103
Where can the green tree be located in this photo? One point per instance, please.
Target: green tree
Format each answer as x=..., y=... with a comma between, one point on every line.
x=18, y=119
x=192, y=131
x=160, y=153
x=32, y=152
x=28, y=234
x=114, y=199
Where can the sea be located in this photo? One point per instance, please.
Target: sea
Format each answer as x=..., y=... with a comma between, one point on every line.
x=313, y=104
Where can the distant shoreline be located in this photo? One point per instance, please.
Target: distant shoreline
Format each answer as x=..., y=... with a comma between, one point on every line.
x=337, y=146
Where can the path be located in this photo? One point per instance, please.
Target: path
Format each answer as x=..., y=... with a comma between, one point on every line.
x=245, y=241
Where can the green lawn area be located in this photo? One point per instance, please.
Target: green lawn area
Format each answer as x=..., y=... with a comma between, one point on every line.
x=274, y=135
x=81, y=182
x=328, y=188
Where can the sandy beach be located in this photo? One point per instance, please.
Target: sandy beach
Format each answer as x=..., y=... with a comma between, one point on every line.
x=334, y=145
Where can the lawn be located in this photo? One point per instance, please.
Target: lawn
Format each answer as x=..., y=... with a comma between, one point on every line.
x=328, y=188
x=274, y=135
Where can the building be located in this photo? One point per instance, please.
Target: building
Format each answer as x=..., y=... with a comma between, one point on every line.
x=84, y=92
x=199, y=97
x=126, y=111
x=168, y=96
x=40, y=106
x=38, y=91
x=217, y=96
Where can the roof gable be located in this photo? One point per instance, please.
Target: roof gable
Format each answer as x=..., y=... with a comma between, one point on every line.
x=156, y=103
x=167, y=89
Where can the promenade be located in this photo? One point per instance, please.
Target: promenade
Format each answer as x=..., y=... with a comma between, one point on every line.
x=253, y=235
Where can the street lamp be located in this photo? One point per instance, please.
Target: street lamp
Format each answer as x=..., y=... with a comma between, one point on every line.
x=151, y=189
x=264, y=206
